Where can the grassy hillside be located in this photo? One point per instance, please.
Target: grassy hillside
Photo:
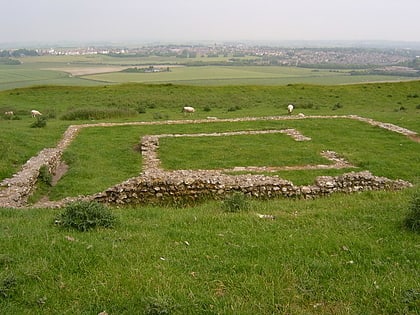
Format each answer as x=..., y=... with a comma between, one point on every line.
x=345, y=254
x=396, y=103
x=341, y=255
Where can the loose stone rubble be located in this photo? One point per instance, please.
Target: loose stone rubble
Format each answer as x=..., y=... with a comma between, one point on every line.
x=155, y=185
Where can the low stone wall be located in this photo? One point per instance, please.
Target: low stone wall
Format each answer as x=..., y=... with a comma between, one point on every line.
x=156, y=185
x=14, y=191
x=180, y=187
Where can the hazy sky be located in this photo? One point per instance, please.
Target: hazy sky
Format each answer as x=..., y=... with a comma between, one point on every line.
x=180, y=20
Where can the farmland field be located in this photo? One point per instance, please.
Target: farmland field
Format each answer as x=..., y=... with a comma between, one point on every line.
x=89, y=70
x=343, y=254
x=217, y=75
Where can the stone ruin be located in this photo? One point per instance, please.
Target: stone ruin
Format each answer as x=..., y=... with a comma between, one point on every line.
x=184, y=187
x=157, y=186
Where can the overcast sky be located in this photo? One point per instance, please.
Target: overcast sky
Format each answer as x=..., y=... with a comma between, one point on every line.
x=184, y=20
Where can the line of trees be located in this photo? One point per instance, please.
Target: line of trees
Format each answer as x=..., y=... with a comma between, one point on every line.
x=18, y=53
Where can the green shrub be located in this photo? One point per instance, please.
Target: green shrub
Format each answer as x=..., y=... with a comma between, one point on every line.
x=84, y=215
x=141, y=109
x=160, y=115
x=236, y=202
x=40, y=122
x=7, y=117
x=44, y=175
x=51, y=114
x=234, y=108
x=412, y=220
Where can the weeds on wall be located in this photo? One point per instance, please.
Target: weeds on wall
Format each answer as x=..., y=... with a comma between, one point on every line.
x=45, y=175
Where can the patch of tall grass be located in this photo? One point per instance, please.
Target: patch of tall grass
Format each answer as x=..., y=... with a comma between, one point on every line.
x=98, y=113
x=84, y=216
x=412, y=220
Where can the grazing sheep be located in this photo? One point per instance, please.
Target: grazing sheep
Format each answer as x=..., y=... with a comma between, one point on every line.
x=290, y=108
x=9, y=113
x=188, y=110
x=35, y=113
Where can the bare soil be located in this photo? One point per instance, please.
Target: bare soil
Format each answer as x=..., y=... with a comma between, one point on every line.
x=61, y=169
x=88, y=70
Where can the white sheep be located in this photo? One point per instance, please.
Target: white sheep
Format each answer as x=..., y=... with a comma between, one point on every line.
x=9, y=113
x=290, y=108
x=188, y=110
x=35, y=113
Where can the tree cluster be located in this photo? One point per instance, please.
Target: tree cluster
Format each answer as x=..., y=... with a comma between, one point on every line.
x=18, y=53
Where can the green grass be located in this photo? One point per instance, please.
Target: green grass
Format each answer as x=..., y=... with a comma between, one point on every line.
x=383, y=152
x=19, y=142
x=243, y=150
x=42, y=70
x=114, y=150
x=345, y=254
x=94, y=166
x=338, y=255
x=246, y=75
x=22, y=76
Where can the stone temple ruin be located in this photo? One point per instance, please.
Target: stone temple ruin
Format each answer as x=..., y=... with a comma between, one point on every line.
x=156, y=185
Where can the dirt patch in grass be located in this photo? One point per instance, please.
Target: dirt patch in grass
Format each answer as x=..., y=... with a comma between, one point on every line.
x=61, y=169
x=88, y=70
x=415, y=138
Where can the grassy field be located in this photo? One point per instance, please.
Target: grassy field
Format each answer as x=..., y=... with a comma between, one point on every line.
x=217, y=75
x=345, y=254
x=12, y=77
x=341, y=255
x=88, y=70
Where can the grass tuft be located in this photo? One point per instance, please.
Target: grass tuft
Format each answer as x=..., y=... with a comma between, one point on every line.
x=84, y=216
x=236, y=202
x=160, y=305
x=8, y=285
x=412, y=220
x=45, y=175
x=40, y=122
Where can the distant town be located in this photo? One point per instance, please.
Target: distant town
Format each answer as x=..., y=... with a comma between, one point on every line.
x=388, y=59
